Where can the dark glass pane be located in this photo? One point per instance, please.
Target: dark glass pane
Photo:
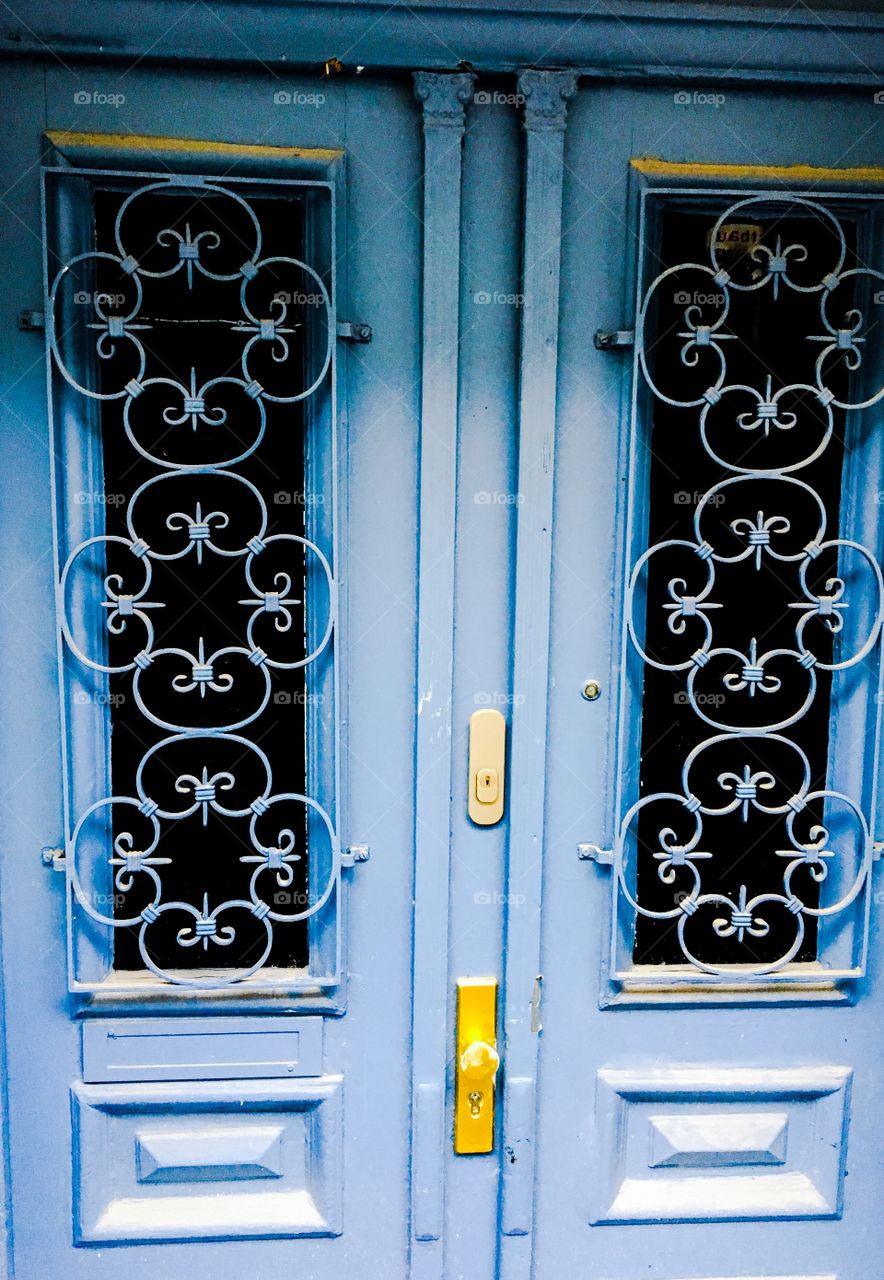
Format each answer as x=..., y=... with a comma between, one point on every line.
x=772, y=346
x=195, y=332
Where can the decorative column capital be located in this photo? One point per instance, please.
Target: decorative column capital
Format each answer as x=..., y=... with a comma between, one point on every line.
x=443, y=95
x=546, y=95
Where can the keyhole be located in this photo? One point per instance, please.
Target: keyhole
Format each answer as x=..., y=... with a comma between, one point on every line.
x=475, y=1101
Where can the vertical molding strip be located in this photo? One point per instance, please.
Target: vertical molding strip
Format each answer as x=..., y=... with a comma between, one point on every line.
x=443, y=98
x=545, y=95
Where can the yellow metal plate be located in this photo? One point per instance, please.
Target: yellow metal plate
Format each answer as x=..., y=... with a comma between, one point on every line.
x=476, y=1026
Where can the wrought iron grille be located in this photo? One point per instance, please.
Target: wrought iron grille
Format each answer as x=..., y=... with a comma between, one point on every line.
x=190, y=346
x=753, y=615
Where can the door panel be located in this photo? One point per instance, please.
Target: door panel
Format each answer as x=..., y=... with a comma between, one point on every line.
x=675, y=1096
x=155, y=1163
x=171, y=1121
x=200, y=1048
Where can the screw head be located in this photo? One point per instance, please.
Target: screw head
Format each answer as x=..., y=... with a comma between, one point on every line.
x=591, y=690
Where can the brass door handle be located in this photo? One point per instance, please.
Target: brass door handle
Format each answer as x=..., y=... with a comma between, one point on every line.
x=476, y=1065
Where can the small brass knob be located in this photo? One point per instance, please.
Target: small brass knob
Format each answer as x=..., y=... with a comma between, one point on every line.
x=479, y=1061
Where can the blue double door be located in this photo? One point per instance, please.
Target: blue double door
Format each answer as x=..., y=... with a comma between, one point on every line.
x=259, y=572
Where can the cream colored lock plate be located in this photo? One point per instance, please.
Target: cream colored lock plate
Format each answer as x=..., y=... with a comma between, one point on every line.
x=485, y=795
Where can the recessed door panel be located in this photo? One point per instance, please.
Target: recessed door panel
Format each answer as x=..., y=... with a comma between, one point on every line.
x=694, y=1145
x=200, y=1048
x=193, y=1162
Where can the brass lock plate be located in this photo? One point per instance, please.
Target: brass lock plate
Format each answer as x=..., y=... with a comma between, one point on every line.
x=476, y=1063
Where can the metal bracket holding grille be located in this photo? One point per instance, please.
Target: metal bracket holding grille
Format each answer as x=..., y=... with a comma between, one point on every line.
x=32, y=321
x=593, y=853
x=355, y=853
x=613, y=339
x=351, y=332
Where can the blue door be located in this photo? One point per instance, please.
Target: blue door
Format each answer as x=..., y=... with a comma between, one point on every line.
x=705, y=914
x=309, y=457
x=210, y=682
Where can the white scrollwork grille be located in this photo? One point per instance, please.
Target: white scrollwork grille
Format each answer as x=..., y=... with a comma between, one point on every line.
x=753, y=615
x=190, y=347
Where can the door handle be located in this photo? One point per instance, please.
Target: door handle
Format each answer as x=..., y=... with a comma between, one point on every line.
x=479, y=1062
x=476, y=1065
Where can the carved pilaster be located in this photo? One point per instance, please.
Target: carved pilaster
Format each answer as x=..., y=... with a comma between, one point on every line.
x=546, y=94
x=443, y=96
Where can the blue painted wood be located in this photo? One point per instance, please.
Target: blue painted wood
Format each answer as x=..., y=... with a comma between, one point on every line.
x=546, y=95
x=442, y=98
x=589, y=1054
x=214, y=1144
x=200, y=1048
x=487, y=512
x=376, y=124
x=5, y=1199
x=427, y=1164
x=585, y=1139
x=633, y=40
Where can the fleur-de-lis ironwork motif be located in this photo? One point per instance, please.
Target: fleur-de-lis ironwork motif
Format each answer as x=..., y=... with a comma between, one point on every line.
x=206, y=930
x=203, y=676
x=752, y=676
x=189, y=247
x=111, y=327
x=121, y=605
x=742, y=921
x=195, y=409
x=205, y=789
x=746, y=788
x=276, y=602
x=768, y=414
x=271, y=329
x=830, y=606
x=758, y=534
x=845, y=340
x=699, y=335
x=199, y=526
x=685, y=606
x=778, y=260
x=279, y=858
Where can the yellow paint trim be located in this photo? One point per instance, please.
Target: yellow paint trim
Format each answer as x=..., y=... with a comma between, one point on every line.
x=188, y=146
x=786, y=173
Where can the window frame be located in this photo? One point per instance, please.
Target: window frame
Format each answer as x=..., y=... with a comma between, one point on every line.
x=651, y=185
x=77, y=465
